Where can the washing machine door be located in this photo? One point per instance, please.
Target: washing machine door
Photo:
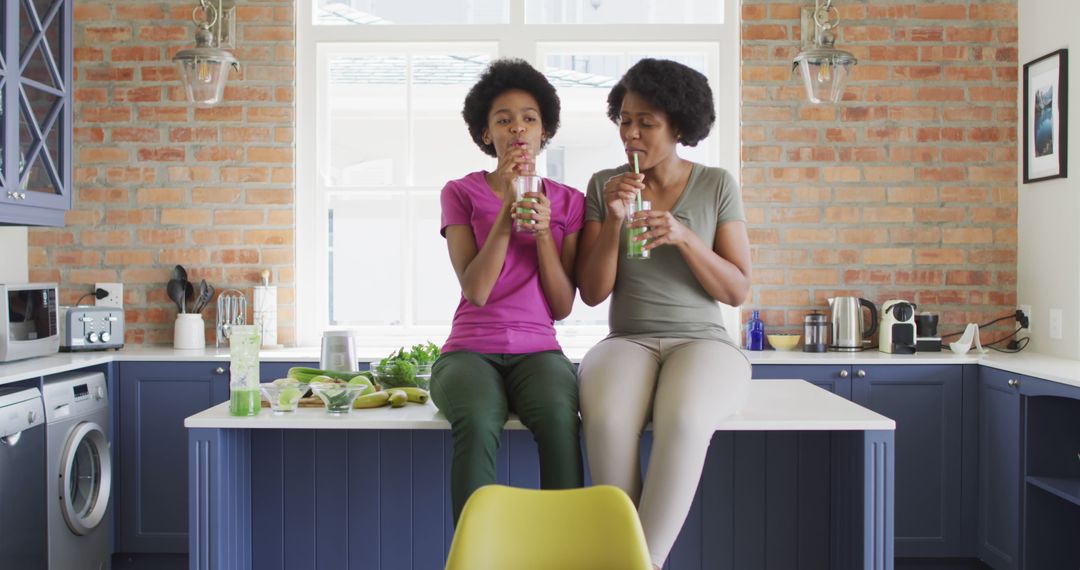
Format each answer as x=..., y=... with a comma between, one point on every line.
x=85, y=478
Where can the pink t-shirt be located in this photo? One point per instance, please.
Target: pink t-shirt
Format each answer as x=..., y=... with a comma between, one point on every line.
x=516, y=318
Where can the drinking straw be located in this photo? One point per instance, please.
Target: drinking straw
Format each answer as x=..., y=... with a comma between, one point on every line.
x=637, y=171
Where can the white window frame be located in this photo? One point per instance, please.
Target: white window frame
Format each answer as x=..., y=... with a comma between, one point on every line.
x=515, y=39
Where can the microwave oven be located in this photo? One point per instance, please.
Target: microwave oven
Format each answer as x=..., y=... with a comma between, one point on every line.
x=30, y=325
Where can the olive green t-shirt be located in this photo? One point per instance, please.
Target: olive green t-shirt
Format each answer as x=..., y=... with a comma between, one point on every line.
x=660, y=296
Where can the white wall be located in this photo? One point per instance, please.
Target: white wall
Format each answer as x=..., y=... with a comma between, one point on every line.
x=13, y=253
x=1048, y=233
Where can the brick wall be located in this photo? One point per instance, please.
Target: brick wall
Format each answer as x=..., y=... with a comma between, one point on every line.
x=158, y=182
x=907, y=189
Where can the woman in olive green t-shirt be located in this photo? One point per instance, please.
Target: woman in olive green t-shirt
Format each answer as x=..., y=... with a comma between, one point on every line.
x=668, y=356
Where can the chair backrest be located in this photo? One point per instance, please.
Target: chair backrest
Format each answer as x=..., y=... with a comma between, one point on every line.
x=595, y=528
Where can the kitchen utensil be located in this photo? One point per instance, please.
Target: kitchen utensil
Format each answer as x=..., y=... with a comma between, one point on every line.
x=189, y=295
x=897, y=327
x=176, y=291
x=848, y=332
x=189, y=332
x=815, y=332
x=179, y=273
x=205, y=293
x=338, y=351
x=926, y=335
x=231, y=311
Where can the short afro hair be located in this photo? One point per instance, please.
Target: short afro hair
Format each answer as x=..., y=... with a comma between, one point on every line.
x=501, y=76
x=678, y=90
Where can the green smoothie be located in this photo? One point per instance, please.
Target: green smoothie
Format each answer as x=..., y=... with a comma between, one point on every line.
x=246, y=402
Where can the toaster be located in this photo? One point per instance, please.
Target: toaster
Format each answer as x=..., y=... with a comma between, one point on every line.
x=897, y=327
x=91, y=328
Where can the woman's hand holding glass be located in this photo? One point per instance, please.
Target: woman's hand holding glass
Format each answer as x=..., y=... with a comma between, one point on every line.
x=532, y=213
x=663, y=228
x=619, y=191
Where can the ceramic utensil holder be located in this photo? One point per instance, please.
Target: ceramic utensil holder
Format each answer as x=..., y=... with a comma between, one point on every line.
x=189, y=332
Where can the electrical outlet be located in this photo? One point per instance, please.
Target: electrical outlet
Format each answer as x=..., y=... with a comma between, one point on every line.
x=1026, y=309
x=115, y=298
x=1055, y=324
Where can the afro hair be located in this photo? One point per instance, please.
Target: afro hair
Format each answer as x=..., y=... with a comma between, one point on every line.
x=678, y=90
x=501, y=76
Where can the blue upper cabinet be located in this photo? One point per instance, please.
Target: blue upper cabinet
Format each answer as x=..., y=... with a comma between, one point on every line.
x=35, y=110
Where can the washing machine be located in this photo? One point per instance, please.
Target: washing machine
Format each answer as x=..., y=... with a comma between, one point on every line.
x=22, y=481
x=79, y=472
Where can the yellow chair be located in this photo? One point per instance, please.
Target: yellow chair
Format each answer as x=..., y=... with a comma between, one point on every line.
x=505, y=528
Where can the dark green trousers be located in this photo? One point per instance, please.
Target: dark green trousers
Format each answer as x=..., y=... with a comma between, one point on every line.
x=476, y=392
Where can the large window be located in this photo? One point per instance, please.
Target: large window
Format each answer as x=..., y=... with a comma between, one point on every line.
x=381, y=84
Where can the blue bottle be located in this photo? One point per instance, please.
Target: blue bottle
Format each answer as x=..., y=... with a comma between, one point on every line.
x=755, y=332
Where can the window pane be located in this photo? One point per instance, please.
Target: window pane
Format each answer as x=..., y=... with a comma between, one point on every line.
x=388, y=12
x=436, y=290
x=368, y=249
x=625, y=12
x=395, y=119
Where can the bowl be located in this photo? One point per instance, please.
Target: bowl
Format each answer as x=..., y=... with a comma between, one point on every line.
x=338, y=398
x=401, y=374
x=783, y=341
x=283, y=394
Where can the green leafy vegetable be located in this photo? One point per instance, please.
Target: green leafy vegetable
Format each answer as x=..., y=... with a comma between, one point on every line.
x=400, y=367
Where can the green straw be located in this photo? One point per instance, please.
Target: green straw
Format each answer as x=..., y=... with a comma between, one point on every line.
x=637, y=171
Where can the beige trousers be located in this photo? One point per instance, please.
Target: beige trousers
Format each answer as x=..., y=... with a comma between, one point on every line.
x=685, y=386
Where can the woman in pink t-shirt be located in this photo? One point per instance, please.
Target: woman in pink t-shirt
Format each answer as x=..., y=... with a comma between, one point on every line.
x=502, y=354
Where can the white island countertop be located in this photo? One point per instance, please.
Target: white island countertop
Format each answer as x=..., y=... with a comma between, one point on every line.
x=773, y=405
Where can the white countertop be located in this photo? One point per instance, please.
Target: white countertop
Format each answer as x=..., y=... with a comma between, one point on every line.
x=1062, y=370
x=783, y=405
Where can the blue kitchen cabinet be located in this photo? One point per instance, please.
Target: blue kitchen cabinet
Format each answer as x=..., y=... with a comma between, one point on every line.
x=926, y=401
x=35, y=110
x=1051, y=485
x=1000, y=473
x=154, y=400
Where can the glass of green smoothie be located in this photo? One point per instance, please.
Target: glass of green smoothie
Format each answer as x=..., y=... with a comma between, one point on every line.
x=244, y=396
x=635, y=249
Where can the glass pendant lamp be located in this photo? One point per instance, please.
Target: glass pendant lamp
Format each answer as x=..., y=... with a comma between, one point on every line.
x=823, y=68
x=204, y=69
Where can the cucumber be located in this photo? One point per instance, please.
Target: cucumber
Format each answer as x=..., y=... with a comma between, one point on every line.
x=306, y=374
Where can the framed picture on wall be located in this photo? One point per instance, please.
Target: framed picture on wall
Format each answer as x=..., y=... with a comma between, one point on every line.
x=1046, y=114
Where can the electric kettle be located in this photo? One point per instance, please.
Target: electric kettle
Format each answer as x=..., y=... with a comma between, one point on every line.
x=848, y=332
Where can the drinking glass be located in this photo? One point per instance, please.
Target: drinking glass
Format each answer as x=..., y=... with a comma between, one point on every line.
x=636, y=249
x=522, y=184
x=244, y=396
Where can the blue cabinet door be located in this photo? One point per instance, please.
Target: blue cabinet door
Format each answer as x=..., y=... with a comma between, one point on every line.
x=834, y=378
x=154, y=399
x=999, y=469
x=926, y=403
x=269, y=371
x=35, y=112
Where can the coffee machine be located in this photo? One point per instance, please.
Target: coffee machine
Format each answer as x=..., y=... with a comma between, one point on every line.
x=927, y=339
x=897, y=327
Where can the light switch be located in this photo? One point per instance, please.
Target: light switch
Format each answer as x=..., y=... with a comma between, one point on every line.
x=1055, y=324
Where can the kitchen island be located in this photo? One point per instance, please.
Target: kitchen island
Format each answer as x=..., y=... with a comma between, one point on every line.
x=370, y=489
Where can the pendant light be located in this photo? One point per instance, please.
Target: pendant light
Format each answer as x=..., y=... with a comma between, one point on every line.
x=204, y=68
x=824, y=69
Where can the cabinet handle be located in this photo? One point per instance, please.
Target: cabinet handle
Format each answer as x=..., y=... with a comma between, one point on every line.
x=843, y=373
x=219, y=370
x=1013, y=382
x=861, y=373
